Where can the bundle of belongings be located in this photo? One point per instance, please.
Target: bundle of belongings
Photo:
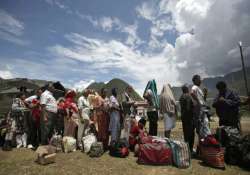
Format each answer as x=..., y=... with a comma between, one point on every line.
x=46, y=154
x=69, y=144
x=57, y=142
x=119, y=148
x=162, y=151
x=211, y=152
x=237, y=148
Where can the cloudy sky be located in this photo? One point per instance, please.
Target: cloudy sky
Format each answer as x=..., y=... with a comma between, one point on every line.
x=81, y=41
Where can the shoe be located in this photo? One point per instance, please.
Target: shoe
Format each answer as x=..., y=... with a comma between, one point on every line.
x=30, y=146
x=19, y=146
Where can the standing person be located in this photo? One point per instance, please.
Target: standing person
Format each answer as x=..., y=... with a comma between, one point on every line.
x=84, y=111
x=115, y=117
x=102, y=114
x=48, y=115
x=34, y=135
x=200, y=109
x=168, y=109
x=187, y=117
x=20, y=113
x=61, y=113
x=128, y=111
x=150, y=94
x=72, y=114
x=227, y=105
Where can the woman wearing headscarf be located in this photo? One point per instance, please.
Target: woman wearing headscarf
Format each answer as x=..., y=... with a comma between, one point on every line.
x=168, y=109
x=114, y=125
x=71, y=119
x=102, y=115
x=150, y=94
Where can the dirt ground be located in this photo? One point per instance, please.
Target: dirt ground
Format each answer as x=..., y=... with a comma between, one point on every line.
x=21, y=161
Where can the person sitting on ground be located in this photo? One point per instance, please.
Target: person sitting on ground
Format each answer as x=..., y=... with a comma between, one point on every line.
x=135, y=131
x=168, y=109
x=227, y=105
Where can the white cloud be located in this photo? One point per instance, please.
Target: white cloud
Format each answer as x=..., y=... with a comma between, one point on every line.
x=60, y=4
x=9, y=24
x=11, y=29
x=114, y=54
x=109, y=24
x=6, y=74
x=81, y=85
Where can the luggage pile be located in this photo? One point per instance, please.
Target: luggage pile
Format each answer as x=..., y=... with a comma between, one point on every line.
x=163, y=151
x=237, y=148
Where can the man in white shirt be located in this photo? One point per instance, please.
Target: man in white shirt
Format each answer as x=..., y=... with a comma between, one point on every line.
x=200, y=115
x=49, y=111
x=84, y=110
x=34, y=132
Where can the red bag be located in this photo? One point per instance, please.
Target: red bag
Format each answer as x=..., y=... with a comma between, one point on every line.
x=155, y=154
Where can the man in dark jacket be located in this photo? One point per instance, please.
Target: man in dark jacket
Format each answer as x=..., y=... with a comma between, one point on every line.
x=187, y=117
x=227, y=105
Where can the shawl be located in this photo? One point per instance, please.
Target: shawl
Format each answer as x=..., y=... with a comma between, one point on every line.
x=167, y=100
x=155, y=99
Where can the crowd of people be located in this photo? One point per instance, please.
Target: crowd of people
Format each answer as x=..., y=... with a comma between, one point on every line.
x=34, y=120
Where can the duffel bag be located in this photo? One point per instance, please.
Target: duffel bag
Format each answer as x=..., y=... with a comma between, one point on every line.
x=212, y=155
x=96, y=149
x=155, y=154
x=119, y=149
x=181, y=154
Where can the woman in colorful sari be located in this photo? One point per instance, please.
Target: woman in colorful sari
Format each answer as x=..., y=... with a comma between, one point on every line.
x=168, y=109
x=150, y=94
x=101, y=112
x=71, y=119
x=115, y=117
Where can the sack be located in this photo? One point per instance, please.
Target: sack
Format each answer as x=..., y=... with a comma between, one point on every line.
x=56, y=141
x=245, y=152
x=44, y=160
x=88, y=141
x=155, y=154
x=69, y=144
x=96, y=150
x=228, y=135
x=212, y=155
x=46, y=154
x=119, y=149
x=181, y=154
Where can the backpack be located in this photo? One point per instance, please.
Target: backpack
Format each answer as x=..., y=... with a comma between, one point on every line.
x=230, y=138
x=155, y=154
x=96, y=149
x=181, y=154
x=119, y=149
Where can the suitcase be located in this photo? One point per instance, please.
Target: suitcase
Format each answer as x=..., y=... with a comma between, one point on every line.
x=155, y=154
